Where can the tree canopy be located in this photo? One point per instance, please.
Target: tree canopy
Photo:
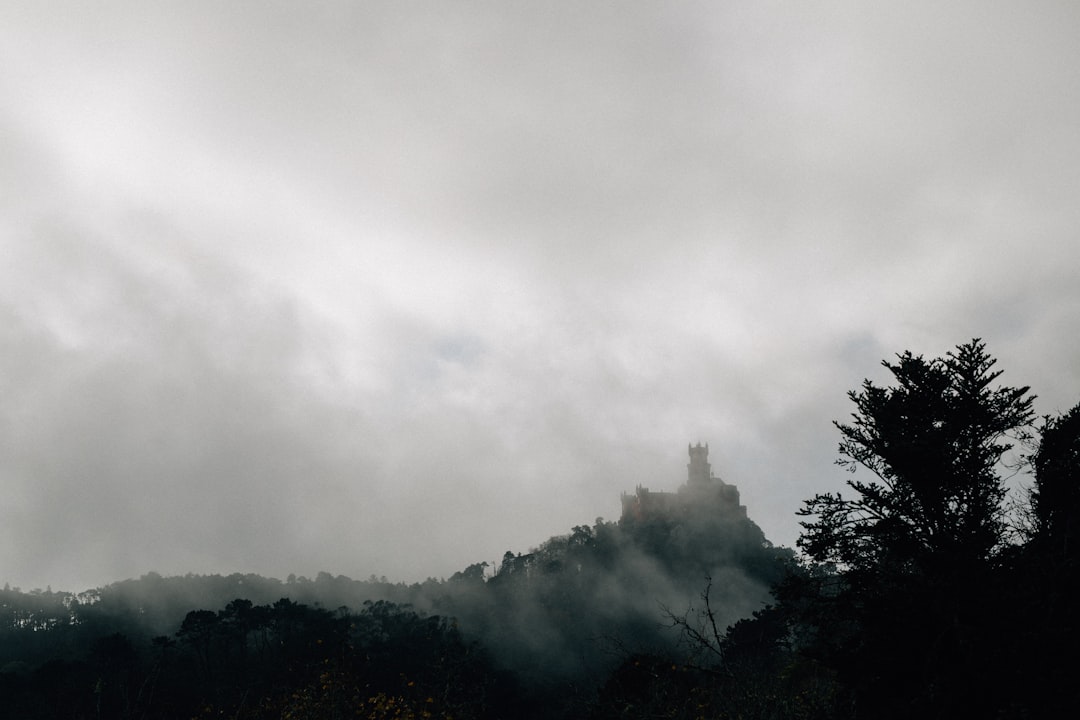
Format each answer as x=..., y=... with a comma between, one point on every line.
x=935, y=441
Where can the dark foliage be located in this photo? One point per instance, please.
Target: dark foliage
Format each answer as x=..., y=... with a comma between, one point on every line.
x=933, y=442
x=908, y=622
x=269, y=661
x=1055, y=498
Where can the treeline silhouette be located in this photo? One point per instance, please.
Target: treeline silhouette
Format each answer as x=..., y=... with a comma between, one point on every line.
x=924, y=590
x=533, y=637
x=268, y=661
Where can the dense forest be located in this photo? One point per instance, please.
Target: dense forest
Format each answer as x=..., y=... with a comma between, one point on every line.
x=941, y=583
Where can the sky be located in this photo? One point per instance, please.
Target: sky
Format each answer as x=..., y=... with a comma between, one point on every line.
x=392, y=288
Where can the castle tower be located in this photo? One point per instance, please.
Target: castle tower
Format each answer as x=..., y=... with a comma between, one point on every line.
x=698, y=472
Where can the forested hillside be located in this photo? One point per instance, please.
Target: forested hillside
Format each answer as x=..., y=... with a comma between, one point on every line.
x=927, y=589
x=534, y=636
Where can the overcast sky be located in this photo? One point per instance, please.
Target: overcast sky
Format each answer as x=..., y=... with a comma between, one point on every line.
x=392, y=288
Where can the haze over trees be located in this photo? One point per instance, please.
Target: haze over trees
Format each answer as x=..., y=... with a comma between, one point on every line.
x=925, y=589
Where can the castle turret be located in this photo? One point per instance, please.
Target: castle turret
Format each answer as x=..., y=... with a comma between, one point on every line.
x=698, y=472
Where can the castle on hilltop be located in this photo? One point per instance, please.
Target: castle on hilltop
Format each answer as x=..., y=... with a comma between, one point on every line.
x=703, y=494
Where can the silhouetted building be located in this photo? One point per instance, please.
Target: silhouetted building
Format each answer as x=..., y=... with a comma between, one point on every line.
x=703, y=495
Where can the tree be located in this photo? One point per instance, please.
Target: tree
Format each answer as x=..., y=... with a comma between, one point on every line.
x=200, y=630
x=1044, y=583
x=114, y=662
x=909, y=621
x=935, y=442
x=1055, y=498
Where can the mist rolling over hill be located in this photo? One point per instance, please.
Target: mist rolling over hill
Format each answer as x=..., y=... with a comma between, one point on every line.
x=547, y=625
x=681, y=607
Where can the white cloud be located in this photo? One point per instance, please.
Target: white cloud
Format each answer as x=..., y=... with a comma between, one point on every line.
x=370, y=289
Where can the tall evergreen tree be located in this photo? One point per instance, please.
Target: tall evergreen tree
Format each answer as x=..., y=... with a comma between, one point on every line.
x=907, y=622
x=935, y=441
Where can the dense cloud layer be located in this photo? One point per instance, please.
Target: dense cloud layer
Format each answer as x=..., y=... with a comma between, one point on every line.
x=377, y=288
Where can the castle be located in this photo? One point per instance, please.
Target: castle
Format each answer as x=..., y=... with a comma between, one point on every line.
x=703, y=494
